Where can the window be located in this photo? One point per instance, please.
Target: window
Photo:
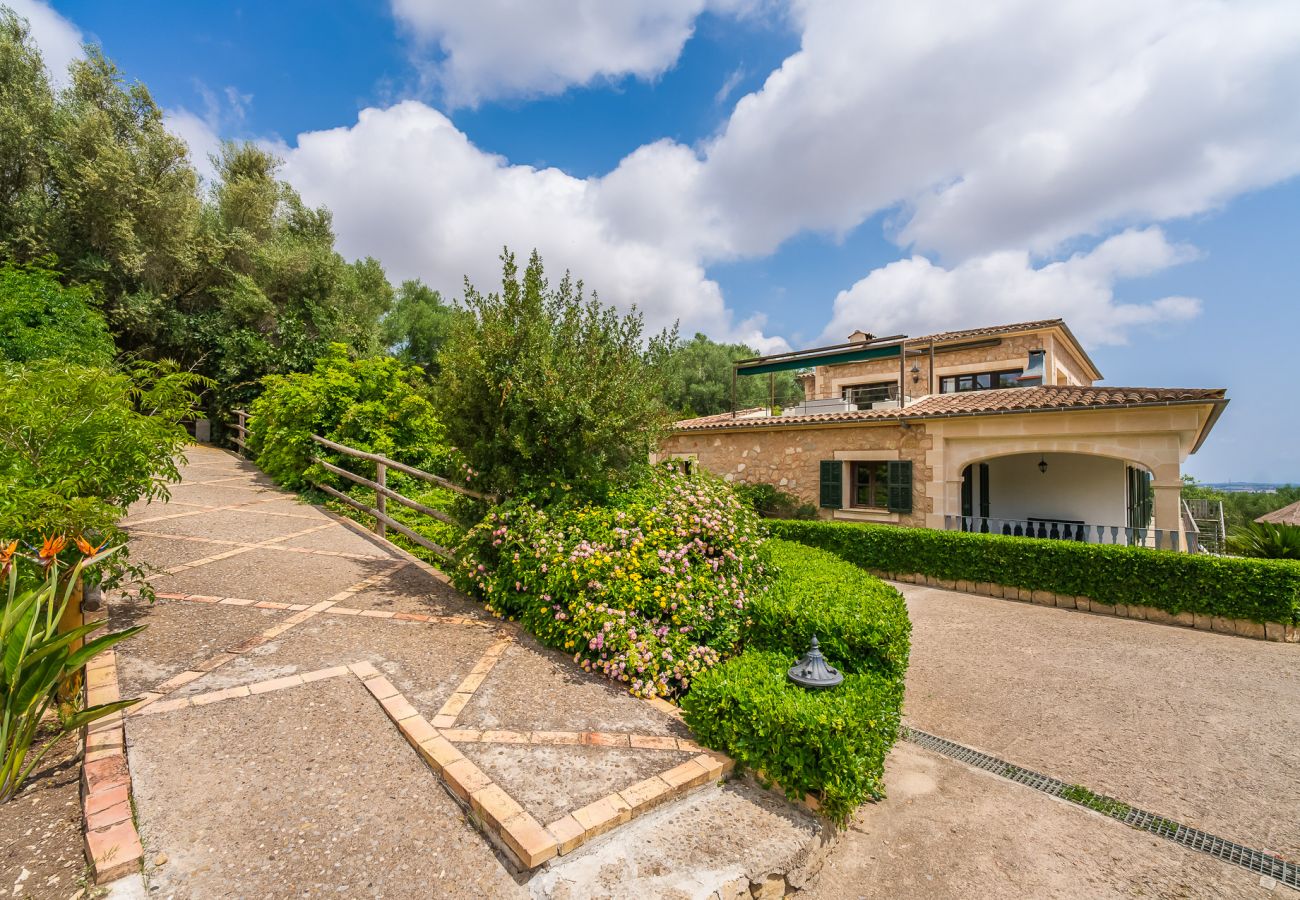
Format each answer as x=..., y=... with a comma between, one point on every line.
x=867, y=394
x=870, y=485
x=980, y=381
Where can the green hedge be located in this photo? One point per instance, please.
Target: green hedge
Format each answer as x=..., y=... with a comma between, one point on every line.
x=831, y=744
x=860, y=621
x=1255, y=589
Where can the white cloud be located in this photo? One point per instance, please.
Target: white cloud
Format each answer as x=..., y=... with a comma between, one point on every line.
x=200, y=134
x=916, y=296
x=410, y=189
x=500, y=48
x=1010, y=123
x=58, y=39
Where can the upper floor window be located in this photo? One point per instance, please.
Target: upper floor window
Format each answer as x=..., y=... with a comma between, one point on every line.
x=979, y=381
x=867, y=394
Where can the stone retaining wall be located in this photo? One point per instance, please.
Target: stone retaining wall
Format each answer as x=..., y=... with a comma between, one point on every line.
x=1263, y=631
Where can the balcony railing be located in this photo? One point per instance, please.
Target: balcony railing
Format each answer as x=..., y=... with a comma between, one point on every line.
x=1068, y=530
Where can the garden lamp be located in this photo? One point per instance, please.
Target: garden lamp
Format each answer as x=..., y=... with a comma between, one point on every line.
x=812, y=670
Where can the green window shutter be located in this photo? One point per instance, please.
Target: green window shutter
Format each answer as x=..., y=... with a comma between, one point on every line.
x=900, y=486
x=832, y=496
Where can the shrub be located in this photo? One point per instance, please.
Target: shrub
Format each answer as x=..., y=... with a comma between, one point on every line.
x=38, y=658
x=1259, y=590
x=1265, y=540
x=42, y=319
x=78, y=445
x=376, y=405
x=774, y=503
x=649, y=589
x=860, y=621
x=544, y=390
x=831, y=744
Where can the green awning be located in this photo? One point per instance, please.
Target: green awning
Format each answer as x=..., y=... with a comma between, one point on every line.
x=827, y=359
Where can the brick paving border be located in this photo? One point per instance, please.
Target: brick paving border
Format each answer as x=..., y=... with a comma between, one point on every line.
x=111, y=841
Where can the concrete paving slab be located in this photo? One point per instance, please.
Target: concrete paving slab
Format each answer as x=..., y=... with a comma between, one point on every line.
x=575, y=701
x=715, y=838
x=178, y=636
x=552, y=781
x=948, y=832
x=340, y=539
x=231, y=525
x=216, y=494
x=163, y=553
x=1199, y=727
x=425, y=663
x=303, y=792
x=412, y=590
x=273, y=575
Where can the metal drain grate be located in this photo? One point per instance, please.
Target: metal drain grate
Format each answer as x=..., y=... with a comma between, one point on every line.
x=1256, y=861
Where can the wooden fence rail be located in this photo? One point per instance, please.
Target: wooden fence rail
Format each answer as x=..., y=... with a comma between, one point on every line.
x=383, y=493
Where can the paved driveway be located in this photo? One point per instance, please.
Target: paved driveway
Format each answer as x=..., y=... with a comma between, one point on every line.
x=1201, y=728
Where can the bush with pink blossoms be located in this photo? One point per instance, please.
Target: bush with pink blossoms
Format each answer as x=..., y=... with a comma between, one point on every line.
x=650, y=588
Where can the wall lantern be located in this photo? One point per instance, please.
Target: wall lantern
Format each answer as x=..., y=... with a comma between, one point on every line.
x=812, y=671
x=916, y=372
x=1042, y=464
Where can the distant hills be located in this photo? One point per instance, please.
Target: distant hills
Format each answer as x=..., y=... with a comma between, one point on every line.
x=1244, y=487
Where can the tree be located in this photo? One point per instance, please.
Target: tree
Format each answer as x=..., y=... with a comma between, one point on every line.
x=699, y=380
x=42, y=319
x=545, y=390
x=418, y=325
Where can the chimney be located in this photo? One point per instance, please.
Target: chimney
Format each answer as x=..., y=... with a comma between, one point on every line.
x=861, y=337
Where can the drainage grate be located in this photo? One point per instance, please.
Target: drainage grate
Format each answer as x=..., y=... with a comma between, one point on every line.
x=1256, y=861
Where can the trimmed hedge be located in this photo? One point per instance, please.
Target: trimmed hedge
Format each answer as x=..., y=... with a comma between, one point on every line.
x=860, y=621
x=831, y=744
x=1256, y=589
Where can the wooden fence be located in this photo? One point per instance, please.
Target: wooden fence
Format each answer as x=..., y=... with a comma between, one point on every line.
x=383, y=493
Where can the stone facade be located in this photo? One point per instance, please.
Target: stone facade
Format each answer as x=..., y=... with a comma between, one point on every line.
x=1063, y=366
x=790, y=458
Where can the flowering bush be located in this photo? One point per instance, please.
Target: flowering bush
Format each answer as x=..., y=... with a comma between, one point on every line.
x=649, y=589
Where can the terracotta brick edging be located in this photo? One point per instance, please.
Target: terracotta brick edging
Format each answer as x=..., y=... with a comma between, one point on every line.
x=1262, y=631
x=112, y=843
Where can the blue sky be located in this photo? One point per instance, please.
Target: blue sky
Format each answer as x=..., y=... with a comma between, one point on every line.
x=905, y=169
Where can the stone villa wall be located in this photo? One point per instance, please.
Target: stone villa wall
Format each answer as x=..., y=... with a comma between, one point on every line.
x=790, y=457
x=1013, y=351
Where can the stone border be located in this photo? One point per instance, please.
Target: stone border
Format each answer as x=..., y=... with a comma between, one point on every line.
x=112, y=843
x=1263, y=631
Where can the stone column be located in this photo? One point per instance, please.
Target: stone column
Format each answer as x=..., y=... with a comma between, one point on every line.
x=1168, y=512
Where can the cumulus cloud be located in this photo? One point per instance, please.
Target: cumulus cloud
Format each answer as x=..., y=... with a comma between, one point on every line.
x=59, y=40
x=406, y=186
x=501, y=48
x=916, y=296
x=1010, y=123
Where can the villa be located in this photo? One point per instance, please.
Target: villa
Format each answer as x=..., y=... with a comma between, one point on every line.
x=1001, y=429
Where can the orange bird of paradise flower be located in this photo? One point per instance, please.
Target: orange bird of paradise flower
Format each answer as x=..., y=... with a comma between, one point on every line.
x=87, y=548
x=51, y=548
x=7, y=557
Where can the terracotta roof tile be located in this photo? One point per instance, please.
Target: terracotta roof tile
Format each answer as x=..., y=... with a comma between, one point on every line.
x=987, y=331
x=1048, y=398
x=1287, y=515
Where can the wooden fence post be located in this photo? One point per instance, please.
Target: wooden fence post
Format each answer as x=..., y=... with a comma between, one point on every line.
x=381, y=501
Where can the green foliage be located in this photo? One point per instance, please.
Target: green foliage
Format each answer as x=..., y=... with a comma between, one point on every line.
x=79, y=444
x=648, y=589
x=376, y=405
x=42, y=319
x=1241, y=508
x=699, y=380
x=37, y=659
x=234, y=282
x=773, y=503
x=418, y=325
x=860, y=621
x=831, y=744
x=542, y=388
x=1259, y=590
x=1265, y=540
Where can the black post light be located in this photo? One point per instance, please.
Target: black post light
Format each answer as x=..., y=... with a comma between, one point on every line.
x=1042, y=464
x=812, y=671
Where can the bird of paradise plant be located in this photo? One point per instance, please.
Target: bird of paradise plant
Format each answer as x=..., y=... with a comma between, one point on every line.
x=35, y=658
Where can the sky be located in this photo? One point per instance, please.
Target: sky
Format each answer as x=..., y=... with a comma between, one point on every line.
x=783, y=173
